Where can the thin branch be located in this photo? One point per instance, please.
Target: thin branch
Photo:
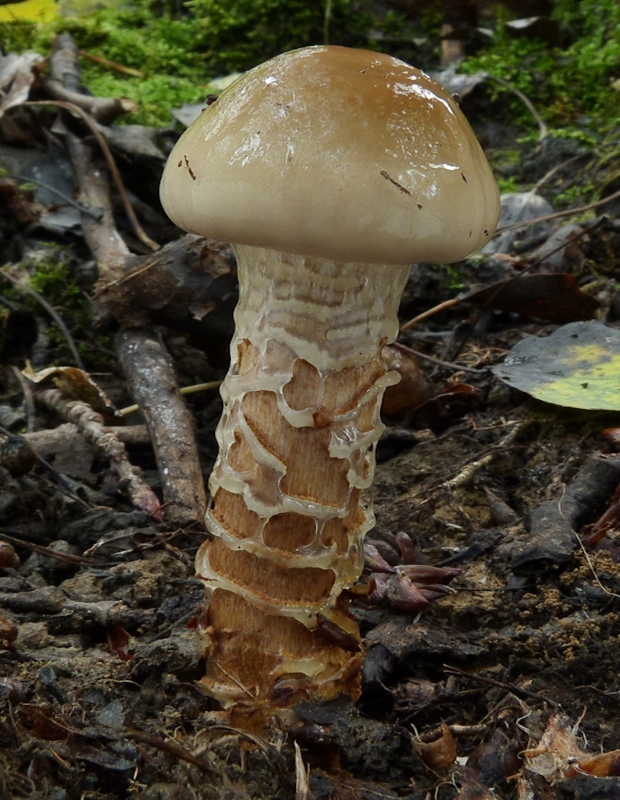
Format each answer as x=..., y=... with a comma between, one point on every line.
x=433, y=360
x=96, y=215
x=105, y=62
x=558, y=214
x=430, y=313
x=195, y=388
x=92, y=125
x=510, y=687
x=51, y=311
x=107, y=444
x=544, y=131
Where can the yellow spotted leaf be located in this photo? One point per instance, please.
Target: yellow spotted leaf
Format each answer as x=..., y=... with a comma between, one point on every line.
x=578, y=366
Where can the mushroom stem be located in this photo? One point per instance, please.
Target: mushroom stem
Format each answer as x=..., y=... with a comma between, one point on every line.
x=297, y=439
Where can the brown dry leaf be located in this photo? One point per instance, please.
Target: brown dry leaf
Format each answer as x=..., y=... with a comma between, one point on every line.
x=412, y=390
x=558, y=754
x=440, y=753
x=76, y=384
x=16, y=77
x=38, y=720
x=8, y=632
x=8, y=557
x=447, y=406
x=553, y=297
x=119, y=640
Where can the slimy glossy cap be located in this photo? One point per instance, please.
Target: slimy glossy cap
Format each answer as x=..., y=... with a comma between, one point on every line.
x=334, y=152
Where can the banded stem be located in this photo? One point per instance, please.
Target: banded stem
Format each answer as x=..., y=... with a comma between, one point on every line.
x=297, y=439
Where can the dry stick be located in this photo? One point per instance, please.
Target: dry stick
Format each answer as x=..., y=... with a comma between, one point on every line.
x=23, y=287
x=510, y=687
x=105, y=62
x=425, y=357
x=167, y=414
x=454, y=301
x=193, y=389
x=150, y=372
x=542, y=127
x=69, y=200
x=174, y=748
x=558, y=214
x=467, y=473
x=92, y=125
x=107, y=444
x=68, y=558
x=61, y=437
x=103, y=109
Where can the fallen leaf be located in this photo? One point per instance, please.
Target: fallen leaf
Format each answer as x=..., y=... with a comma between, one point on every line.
x=578, y=366
x=16, y=73
x=440, y=753
x=555, y=298
x=558, y=754
x=412, y=390
x=77, y=385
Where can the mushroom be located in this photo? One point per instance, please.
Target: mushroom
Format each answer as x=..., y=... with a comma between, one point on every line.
x=330, y=170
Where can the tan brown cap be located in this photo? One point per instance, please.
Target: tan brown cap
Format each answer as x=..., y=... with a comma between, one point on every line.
x=345, y=154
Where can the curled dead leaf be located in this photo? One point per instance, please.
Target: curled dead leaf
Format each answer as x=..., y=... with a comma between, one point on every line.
x=558, y=754
x=440, y=753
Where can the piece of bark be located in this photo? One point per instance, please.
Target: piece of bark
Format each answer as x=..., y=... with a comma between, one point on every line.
x=149, y=370
x=552, y=525
x=177, y=280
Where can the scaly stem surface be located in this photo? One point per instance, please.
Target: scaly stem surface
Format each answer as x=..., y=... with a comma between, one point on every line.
x=297, y=439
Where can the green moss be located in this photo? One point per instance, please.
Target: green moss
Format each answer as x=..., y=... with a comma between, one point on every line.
x=179, y=52
x=508, y=185
x=180, y=46
x=241, y=33
x=155, y=95
x=570, y=85
x=52, y=278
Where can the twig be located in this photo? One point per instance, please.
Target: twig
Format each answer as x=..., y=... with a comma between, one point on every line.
x=558, y=214
x=51, y=311
x=91, y=426
x=172, y=748
x=197, y=387
x=149, y=369
x=92, y=125
x=97, y=215
x=544, y=131
x=468, y=472
x=433, y=360
x=430, y=313
x=105, y=62
x=103, y=109
x=47, y=551
x=509, y=687
x=61, y=437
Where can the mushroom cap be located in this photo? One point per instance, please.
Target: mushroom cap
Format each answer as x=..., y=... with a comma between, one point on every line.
x=339, y=153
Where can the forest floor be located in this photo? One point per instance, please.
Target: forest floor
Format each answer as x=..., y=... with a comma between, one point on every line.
x=505, y=685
